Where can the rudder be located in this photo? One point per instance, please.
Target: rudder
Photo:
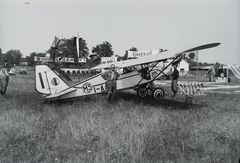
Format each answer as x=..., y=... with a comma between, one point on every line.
x=48, y=82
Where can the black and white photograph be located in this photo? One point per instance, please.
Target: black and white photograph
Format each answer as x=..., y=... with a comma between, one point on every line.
x=120, y=81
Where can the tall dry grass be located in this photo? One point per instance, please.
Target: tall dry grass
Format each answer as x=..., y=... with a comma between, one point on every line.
x=129, y=130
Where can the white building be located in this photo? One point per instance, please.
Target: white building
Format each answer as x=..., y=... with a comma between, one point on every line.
x=183, y=68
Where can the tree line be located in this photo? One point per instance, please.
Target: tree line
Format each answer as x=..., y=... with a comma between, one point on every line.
x=68, y=49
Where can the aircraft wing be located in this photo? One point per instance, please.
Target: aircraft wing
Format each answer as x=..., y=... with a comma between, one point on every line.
x=158, y=57
x=166, y=55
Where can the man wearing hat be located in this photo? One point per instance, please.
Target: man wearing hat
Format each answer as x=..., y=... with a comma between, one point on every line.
x=111, y=85
x=174, y=76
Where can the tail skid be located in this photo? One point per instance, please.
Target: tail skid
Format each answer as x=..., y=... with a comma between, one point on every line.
x=47, y=81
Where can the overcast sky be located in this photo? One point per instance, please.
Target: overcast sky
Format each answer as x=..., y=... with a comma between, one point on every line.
x=145, y=24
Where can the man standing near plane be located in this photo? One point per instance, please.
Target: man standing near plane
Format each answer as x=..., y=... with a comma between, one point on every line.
x=4, y=79
x=111, y=85
x=175, y=76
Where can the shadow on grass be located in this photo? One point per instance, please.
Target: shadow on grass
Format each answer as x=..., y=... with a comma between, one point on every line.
x=177, y=103
x=169, y=103
x=75, y=100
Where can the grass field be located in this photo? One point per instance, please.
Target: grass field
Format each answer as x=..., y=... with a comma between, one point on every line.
x=130, y=130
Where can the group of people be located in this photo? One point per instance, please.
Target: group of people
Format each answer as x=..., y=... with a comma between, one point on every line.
x=4, y=79
x=111, y=76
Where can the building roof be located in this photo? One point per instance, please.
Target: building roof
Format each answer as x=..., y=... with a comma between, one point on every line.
x=186, y=61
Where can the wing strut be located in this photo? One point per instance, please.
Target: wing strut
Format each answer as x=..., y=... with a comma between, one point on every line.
x=148, y=71
x=161, y=71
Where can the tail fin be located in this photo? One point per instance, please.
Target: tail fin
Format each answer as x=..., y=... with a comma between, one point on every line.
x=48, y=82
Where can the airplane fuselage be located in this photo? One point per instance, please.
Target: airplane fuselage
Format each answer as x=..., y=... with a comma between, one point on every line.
x=96, y=84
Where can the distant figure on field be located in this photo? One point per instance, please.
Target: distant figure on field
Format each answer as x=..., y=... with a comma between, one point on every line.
x=4, y=79
x=111, y=85
x=175, y=76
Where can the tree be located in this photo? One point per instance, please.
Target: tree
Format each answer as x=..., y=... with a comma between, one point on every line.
x=93, y=62
x=30, y=59
x=13, y=57
x=103, y=50
x=1, y=58
x=206, y=64
x=83, y=49
x=68, y=49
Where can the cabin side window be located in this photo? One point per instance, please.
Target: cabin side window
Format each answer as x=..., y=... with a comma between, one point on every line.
x=128, y=69
x=144, y=72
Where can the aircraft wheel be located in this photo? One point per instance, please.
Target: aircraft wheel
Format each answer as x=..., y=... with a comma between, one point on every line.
x=158, y=94
x=142, y=92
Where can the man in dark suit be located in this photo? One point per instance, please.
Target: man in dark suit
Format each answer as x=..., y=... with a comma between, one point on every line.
x=175, y=76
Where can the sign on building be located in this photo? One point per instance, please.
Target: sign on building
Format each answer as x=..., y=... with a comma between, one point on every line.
x=59, y=59
x=137, y=54
x=41, y=59
x=105, y=60
x=71, y=60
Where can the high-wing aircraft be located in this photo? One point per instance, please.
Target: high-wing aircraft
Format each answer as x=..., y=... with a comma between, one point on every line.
x=135, y=74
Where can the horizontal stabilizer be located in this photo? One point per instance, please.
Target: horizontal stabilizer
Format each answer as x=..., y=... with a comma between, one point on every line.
x=58, y=94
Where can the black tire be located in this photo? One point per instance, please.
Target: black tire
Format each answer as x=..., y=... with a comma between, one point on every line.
x=158, y=94
x=142, y=92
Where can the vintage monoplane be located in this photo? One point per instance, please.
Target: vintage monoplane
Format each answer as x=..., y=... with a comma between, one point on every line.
x=138, y=74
